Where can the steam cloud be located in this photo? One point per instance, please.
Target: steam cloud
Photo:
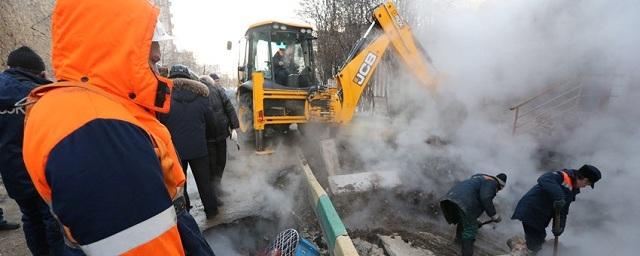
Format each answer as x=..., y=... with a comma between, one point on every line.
x=493, y=54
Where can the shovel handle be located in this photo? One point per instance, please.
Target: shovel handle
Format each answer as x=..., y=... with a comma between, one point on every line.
x=484, y=223
x=556, y=225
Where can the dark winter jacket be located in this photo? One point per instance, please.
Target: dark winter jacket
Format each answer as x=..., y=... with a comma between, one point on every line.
x=536, y=207
x=474, y=195
x=15, y=84
x=223, y=110
x=190, y=119
x=279, y=70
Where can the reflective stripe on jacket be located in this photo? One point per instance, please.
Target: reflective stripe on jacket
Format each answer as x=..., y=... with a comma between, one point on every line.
x=566, y=181
x=92, y=145
x=134, y=236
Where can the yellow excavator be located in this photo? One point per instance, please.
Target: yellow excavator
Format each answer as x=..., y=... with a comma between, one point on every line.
x=278, y=85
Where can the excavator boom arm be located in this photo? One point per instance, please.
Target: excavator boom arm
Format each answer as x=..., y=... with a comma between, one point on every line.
x=359, y=67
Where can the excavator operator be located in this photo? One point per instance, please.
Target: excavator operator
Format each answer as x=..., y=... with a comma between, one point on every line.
x=280, y=71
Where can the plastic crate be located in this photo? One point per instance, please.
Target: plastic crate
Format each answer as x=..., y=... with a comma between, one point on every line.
x=306, y=248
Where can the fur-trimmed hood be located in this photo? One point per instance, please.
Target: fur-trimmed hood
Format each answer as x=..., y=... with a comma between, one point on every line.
x=187, y=90
x=191, y=85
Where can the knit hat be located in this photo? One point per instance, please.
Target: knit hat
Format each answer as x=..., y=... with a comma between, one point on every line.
x=590, y=172
x=502, y=179
x=179, y=71
x=25, y=58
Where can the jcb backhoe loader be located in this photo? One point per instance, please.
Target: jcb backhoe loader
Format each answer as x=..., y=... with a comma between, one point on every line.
x=277, y=72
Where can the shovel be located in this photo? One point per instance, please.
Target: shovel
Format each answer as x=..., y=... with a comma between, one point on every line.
x=485, y=223
x=556, y=225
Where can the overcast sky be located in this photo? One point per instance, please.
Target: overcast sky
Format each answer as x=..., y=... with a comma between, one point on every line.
x=204, y=26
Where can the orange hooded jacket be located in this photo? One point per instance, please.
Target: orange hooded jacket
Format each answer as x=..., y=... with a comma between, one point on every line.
x=92, y=145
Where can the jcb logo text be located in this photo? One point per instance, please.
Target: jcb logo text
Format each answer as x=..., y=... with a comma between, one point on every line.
x=365, y=68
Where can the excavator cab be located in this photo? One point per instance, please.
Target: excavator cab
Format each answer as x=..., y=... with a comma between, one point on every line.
x=282, y=51
x=281, y=55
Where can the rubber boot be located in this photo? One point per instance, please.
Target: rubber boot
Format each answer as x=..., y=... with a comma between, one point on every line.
x=467, y=247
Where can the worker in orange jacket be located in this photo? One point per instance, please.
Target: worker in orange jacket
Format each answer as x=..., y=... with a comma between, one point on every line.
x=93, y=146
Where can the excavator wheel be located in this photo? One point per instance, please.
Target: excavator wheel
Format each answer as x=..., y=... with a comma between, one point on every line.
x=245, y=116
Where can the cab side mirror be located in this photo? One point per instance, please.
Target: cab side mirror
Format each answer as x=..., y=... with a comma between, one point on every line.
x=229, y=45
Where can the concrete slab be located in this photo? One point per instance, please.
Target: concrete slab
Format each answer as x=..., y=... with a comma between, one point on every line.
x=364, y=181
x=330, y=156
x=366, y=248
x=395, y=246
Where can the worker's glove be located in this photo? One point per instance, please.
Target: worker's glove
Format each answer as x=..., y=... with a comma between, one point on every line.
x=558, y=205
x=234, y=135
x=558, y=231
x=496, y=218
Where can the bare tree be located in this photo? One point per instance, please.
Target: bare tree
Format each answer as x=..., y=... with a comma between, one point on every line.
x=340, y=23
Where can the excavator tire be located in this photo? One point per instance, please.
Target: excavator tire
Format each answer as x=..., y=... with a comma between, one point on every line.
x=245, y=116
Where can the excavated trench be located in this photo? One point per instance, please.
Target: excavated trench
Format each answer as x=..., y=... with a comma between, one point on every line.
x=409, y=211
x=408, y=214
x=264, y=195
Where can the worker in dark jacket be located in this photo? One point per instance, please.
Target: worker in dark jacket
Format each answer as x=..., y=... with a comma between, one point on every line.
x=26, y=72
x=554, y=193
x=280, y=71
x=190, y=120
x=226, y=125
x=466, y=201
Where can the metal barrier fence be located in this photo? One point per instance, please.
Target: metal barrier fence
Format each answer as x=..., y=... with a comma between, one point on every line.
x=543, y=112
